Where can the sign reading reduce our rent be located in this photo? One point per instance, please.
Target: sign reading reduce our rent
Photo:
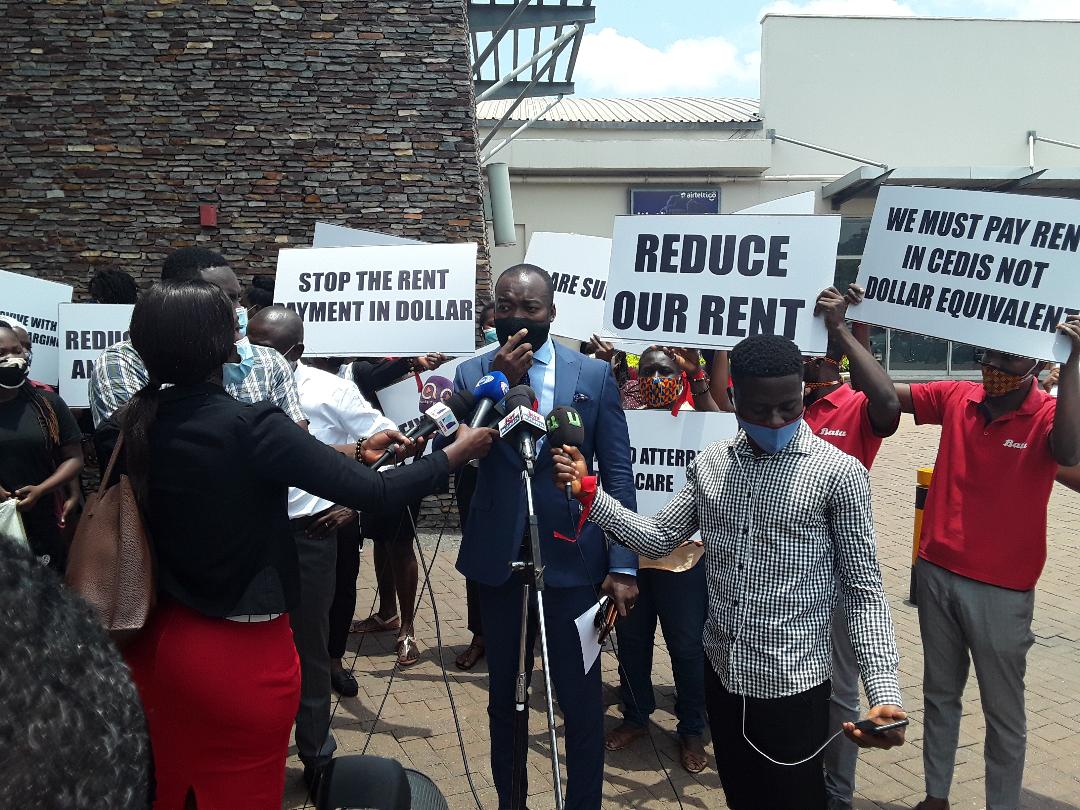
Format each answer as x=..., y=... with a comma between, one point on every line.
x=989, y=269
x=710, y=281
x=86, y=330
x=381, y=300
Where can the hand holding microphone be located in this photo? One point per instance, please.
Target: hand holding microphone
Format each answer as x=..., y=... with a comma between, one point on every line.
x=565, y=430
x=444, y=417
x=568, y=467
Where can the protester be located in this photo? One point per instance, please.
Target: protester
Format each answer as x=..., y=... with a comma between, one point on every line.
x=337, y=415
x=855, y=418
x=28, y=347
x=40, y=452
x=396, y=570
x=495, y=531
x=671, y=590
x=216, y=667
x=786, y=522
x=254, y=374
x=73, y=730
x=464, y=488
x=113, y=287
x=673, y=378
x=980, y=557
x=259, y=294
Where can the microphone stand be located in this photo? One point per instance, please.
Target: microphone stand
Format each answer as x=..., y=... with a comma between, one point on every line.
x=532, y=569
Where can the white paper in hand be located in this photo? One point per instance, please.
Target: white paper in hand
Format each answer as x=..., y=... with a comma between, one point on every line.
x=11, y=526
x=589, y=636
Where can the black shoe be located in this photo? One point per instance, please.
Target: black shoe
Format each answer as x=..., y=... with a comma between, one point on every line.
x=344, y=683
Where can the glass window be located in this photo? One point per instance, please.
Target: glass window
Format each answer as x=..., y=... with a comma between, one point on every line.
x=965, y=357
x=908, y=352
x=853, y=232
x=847, y=270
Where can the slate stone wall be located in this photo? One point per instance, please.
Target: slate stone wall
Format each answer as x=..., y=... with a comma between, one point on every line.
x=120, y=118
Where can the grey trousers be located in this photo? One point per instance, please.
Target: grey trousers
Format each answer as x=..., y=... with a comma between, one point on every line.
x=311, y=630
x=842, y=755
x=958, y=617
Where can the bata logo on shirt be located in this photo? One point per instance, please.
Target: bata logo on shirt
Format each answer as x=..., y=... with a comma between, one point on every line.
x=1015, y=445
x=831, y=432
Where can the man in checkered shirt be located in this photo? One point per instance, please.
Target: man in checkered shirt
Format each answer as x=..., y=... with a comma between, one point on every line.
x=786, y=522
x=119, y=372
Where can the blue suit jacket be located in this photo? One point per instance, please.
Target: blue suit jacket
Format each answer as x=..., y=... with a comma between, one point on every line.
x=496, y=522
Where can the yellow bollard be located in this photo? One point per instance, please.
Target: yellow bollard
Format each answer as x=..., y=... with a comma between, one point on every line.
x=922, y=486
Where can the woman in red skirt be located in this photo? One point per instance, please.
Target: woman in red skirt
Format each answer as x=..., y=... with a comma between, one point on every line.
x=216, y=667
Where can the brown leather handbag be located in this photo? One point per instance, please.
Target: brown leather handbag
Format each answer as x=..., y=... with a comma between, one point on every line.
x=111, y=562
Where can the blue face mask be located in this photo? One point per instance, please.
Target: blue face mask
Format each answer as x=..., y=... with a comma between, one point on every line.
x=771, y=440
x=241, y=321
x=490, y=335
x=235, y=373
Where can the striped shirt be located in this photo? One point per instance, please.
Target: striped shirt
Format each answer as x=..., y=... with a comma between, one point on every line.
x=782, y=534
x=119, y=374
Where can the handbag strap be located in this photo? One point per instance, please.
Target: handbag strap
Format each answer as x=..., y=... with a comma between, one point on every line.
x=107, y=476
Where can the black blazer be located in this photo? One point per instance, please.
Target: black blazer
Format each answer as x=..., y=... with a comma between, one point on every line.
x=218, y=516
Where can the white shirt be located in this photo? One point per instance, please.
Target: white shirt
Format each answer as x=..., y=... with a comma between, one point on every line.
x=337, y=414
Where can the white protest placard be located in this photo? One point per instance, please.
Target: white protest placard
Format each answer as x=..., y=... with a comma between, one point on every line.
x=86, y=330
x=381, y=300
x=989, y=269
x=707, y=282
x=34, y=302
x=327, y=235
x=662, y=445
x=579, y=268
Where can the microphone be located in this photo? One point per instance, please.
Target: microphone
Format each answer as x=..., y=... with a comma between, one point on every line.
x=443, y=417
x=523, y=422
x=489, y=389
x=564, y=427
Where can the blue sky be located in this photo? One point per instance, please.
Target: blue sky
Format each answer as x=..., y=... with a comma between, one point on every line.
x=710, y=47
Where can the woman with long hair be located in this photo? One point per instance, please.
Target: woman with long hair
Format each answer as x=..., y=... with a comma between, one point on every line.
x=216, y=667
x=40, y=450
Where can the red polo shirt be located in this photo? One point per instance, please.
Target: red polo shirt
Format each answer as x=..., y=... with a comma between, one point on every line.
x=985, y=515
x=841, y=418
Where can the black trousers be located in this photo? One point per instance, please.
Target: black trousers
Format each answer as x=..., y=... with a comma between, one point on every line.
x=464, y=487
x=787, y=729
x=344, y=605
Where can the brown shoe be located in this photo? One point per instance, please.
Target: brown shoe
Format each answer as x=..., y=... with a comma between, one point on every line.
x=692, y=753
x=376, y=624
x=407, y=651
x=473, y=653
x=623, y=735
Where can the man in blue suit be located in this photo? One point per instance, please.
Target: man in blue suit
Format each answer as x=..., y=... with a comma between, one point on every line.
x=574, y=569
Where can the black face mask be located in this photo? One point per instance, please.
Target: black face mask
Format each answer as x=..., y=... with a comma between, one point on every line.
x=506, y=328
x=14, y=371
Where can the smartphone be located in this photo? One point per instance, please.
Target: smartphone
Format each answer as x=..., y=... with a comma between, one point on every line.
x=870, y=727
x=606, y=614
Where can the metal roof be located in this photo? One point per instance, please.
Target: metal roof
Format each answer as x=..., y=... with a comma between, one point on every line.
x=648, y=112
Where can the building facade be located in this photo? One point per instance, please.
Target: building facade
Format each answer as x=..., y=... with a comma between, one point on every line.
x=910, y=101
x=124, y=119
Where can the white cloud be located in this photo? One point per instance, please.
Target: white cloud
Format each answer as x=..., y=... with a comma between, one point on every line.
x=835, y=8
x=612, y=63
x=1046, y=9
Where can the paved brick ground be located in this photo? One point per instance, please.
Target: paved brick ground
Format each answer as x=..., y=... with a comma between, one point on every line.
x=417, y=726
